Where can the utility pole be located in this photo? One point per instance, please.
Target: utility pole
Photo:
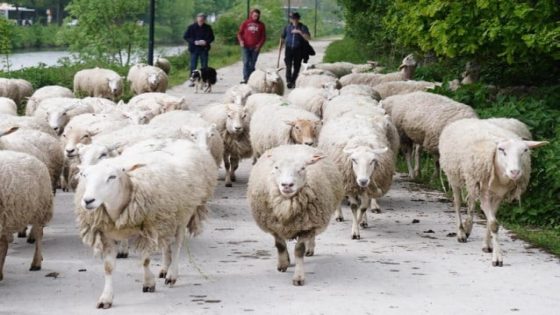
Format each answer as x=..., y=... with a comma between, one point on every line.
x=289, y=9
x=151, y=32
x=315, y=26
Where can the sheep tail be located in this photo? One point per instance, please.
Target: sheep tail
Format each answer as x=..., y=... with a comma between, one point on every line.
x=195, y=224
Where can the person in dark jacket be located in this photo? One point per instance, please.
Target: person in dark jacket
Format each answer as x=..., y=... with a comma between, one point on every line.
x=251, y=37
x=294, y=36
x=199, y=35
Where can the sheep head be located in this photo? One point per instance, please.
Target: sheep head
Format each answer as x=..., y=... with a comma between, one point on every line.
x=91, y=154
x=364, y=161
x=153, y=80
x=408, y=67
x=115, y=85
x=58, y=118
x=237, y=119
x=201, y=136
x=512, y=158
x=304, y=131
x=290, y=173
x=72, y=136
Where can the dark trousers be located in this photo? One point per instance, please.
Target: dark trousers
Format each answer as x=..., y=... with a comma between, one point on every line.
x=293, y=57
x=201, y=54
x=250, y=56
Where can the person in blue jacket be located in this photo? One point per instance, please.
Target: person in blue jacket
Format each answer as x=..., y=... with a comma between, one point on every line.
x=199, y=35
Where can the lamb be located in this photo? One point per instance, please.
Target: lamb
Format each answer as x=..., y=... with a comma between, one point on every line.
x=15, y=89
x=43, y=93
x=493, y=164
x=355, y=105
x=316, y=80
x=98, y=82
x=176, y=182
x=293, y=191
x=163, y=64
x=339, y=69
x=58, y=111
x=8, y=106
x=237, y=94
x=312, y=99
x=406, y=72
x=513, y=125
x=420, y=117
x=144, y=78
x=362, y=153
x=387, y=89
x=22, y=122
x=165, y=101
x=266, y=81
x=232, y=123
x=23, y=173
x=259, y=100
x=360, y=89
x=273, y=126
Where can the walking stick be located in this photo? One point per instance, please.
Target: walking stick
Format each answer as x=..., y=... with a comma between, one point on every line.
x=279, y=53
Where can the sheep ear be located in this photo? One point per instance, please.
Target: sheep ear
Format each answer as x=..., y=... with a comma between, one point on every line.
x=535, y=144
x=8, y=131
x=132, y=168
x=348, y=150
x=379, y=151
x=290, y=123
x=121, y=103
x=280, y=69
x=318, y=123
x=315, y=159
x=402, y=66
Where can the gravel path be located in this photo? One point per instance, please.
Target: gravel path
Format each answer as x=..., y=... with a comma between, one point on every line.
x=398, y=267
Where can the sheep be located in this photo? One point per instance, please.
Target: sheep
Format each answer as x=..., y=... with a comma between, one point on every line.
x=43, y=146
x=15, y=89
x=406, y=72
x=8, y=106
x=32, y=123
x=175, y=182
x=98, y=83
x=339, y=69
x=362, y=153
x=513, y=125
x=144, y=78
x=420, y=117
x=259, y=100
x=237, y=94
x=163, y=64
x=266, y=81
x=293, y=191
x=232, y=123
x=274, y=126
x=316, y=80
x=23, y=173
x=493, y=164
x=387, y=89
x=58, y=111
x=43, y=93
x=352, y=104
x=165, y=101
x=198, y=129
x=312, y=99
x=317, y=72
x=360, y=89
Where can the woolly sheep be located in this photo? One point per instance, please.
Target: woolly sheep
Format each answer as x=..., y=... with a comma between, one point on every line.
x=15, y=89
x=176, y=182
x=57, y=111
x=266, y=81
x=43, y=93
x=317, y=72
x=387, y=89
x=420, y=117
x=406, y=72
x=311, y=99
x=237, y=94
x=339, y=69
x=23, y=122
x=163, y=64
x=259, y=100
x=493, y=164
x=352, y=104
x=273, y=126
x=232, y=123
x=361, y=151
x=144, y=78
x=513, y=125
x=8, y=106
x=98, y=83
x=293, y=191
x=360, y=89
x=23, y=173
x=165, y=101
x=316, y=80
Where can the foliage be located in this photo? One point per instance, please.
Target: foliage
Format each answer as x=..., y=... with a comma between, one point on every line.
x=6, y=30
x=172, y=18
x=345, y=50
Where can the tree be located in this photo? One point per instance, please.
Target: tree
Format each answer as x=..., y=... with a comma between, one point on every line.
x=6, y=33
x=108, y=31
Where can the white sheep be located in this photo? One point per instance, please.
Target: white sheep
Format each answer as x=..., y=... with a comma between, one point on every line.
x=15, y=89
x=316, y=80
x=237, y=94
x=175, y=182
x=420, y=117
x=266, y=81
x=98, y=82
x=513, y=125
x=259, y=100
x=165, y=101
x=144, y=78
x=163, y=64
x=339, y=69
x=58, y=111
x=387, y=89
x=406, y=72
x=493, y=164
x=23, y=173
x=232, y=122
x=43, y=93
x=8, y=106
x=362, y=152
x=293, y=191
x=360, y=89
x=353, y=104
x=24, y=122
x=312, y=99
x=274, y=126
x=316, y=72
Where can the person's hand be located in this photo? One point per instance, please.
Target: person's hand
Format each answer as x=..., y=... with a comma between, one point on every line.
x=296, y=31
x=197, y=42
x=241, y=43
x=202, y=42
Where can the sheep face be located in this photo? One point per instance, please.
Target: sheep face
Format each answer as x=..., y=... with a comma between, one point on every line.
x=114, y=85
x=237, y=119
x=91, y=154
x=105, y=184
x=330, y=90
x=512, y=156
x=57, y=120
x=304, y=131
x=409, y=61
x=141, y=117
x=153, y=80
x=290, y=175
x=364, y=161
x=73, y=136
x=271, y=75
x=201, y=136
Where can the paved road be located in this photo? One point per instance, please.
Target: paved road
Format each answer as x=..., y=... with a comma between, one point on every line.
x=396, y=268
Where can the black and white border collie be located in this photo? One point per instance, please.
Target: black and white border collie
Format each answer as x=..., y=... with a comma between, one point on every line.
x=204, y=78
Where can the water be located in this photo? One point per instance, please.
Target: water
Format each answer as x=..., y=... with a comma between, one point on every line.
x=28, y=59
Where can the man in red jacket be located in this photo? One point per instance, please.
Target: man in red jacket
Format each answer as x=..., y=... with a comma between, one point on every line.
x=251, y=37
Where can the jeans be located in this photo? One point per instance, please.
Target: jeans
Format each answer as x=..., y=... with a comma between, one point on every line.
x=195, y=55
x=293, y=57
x=250, y=56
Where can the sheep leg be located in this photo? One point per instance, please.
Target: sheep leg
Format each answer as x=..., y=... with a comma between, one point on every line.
x=355, y=222
x=227, y=167
x=408, y=157
x=22, y=233
x=489, y=205
x=234, y=166
x=310, y=246
x=173, y=273
x=417, y=152
x=375, y=208
x=365, y=203
x=109, y=261
x=149, y=278
x=122, y=252
x=3, y=253
x=283, y=256
x=299, y=251
x=166, y=253
x=64, y=178
x=468, y=224
x=437, y=169
x=338, y=214
x=31, y=236
x=37, y=232
x=461, y=235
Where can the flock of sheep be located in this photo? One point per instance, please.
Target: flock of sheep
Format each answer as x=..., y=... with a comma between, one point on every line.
x=144, y=171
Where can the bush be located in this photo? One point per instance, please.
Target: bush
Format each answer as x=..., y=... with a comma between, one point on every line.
x=226, y=28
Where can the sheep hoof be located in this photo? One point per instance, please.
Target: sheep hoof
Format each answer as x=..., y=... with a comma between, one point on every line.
x=229, y=185
x=22, y=234
x=487, y=249
x=461, y=239
x=122, y=255
x=233, y=178
x=104, y=305
x=170, y=282
x=34, y=268
x=339, y=219
x=498, y=263
x=147, y=289
x=309, y=253
x=298, y=282
x=355, y=236
x=364, y=225
x=282, y=268
x=376, y=210
x=162, y=274
x=30, y=240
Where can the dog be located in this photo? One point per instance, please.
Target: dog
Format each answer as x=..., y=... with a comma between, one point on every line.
x=204, y=78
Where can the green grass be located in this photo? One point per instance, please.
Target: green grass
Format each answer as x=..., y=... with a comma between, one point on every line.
x=546, y=238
